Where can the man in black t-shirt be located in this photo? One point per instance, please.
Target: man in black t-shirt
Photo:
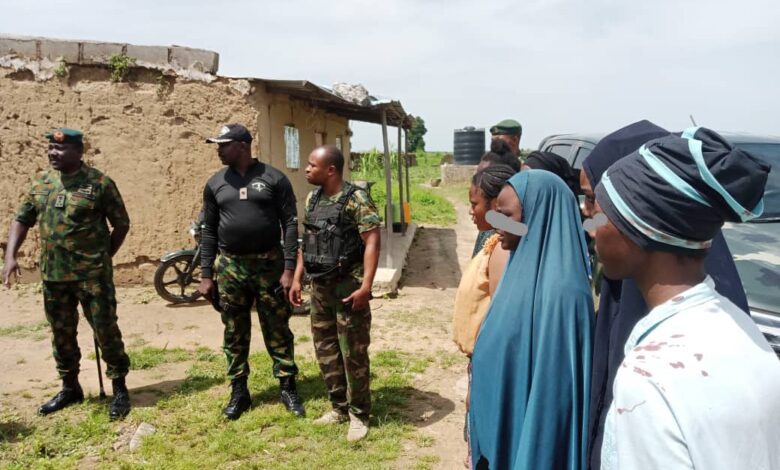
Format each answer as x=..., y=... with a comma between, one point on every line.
x=249, y=207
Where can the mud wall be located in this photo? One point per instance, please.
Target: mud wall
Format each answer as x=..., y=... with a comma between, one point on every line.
x=148, y=135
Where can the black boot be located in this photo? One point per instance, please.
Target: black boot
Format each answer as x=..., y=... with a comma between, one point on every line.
x=120, y=407
x=289, y=396
x=71, y=393
x=240, y=400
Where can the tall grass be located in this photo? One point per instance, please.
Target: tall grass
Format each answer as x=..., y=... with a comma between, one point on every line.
x=426, y=205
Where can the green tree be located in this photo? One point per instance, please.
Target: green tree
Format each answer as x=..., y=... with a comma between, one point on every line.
x=415, y=136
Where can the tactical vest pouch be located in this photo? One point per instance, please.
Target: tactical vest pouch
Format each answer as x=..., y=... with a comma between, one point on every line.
x=331, y=246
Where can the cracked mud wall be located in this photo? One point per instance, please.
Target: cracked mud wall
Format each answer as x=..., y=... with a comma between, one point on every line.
x=148, y=135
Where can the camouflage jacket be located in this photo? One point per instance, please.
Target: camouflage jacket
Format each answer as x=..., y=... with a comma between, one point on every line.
x=359, y=209
x=72, y=214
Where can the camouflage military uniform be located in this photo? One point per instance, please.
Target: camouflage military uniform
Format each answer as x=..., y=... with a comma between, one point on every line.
x=341, y=337
x=244, y=280
x=75, y=261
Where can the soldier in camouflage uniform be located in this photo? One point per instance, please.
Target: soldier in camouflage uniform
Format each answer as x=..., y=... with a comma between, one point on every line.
x=249, y=208
x=340, y=253
x=72, y=204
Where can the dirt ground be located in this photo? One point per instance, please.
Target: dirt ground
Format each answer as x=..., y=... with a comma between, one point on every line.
x=417, y=321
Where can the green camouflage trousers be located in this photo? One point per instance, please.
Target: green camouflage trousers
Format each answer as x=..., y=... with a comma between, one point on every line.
x=341, y=340
x=244, y=281
x=98, y=300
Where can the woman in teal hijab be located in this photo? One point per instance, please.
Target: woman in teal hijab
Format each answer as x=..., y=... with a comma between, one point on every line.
x=529, y=392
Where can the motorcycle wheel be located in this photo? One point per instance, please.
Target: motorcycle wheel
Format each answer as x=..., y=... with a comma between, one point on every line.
x=176, y=281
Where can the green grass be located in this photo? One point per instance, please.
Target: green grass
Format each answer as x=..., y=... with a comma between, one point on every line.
x=426, y=462
x=191, y=433
x=150, y=357
x=35, y=331
x=428, y=206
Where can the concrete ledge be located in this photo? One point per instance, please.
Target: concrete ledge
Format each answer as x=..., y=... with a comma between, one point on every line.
x=198, y=59
x=149, y=54
x=94, y=52
x=55, y=50
x=99, y=53
x=387, y=277
x=457, y=173
x=26, y=47
x=386, y=281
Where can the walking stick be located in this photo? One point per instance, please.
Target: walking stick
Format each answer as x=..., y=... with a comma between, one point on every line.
x=100, y=371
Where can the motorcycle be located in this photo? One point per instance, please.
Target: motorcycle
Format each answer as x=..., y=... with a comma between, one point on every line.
x=178, y=275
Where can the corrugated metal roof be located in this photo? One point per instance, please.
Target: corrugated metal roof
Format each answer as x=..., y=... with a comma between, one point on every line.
x=325, y=98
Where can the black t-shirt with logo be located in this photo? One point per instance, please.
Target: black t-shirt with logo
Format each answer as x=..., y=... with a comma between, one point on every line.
x=248, y=214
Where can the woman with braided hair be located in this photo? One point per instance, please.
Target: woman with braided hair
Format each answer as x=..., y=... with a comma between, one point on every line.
x=481, y=277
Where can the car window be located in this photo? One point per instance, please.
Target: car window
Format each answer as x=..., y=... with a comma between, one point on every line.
x=563, y=150
x=770, y=153
x=582, y=152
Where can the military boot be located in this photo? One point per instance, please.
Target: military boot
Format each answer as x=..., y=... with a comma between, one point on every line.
x=71, y=393
x=240, y=400
x=289, y=396
x=120, y=407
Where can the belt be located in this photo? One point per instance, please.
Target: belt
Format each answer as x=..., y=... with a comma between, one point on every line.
x=270, y=254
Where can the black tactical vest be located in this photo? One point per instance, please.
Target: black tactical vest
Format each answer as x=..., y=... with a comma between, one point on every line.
x=331, y=243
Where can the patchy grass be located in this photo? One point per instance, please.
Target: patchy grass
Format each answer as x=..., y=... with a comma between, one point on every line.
x=420, y=317
x=459, y=191
x=446, y=359
x=150, y=357
x=302, y=339
x=191, y=433
x=427, y=205
x=36, y=331
x=424, y=440
x=426, y=462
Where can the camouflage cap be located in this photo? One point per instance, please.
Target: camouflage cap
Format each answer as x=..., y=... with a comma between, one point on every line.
x=63, y=135
x=507, y=126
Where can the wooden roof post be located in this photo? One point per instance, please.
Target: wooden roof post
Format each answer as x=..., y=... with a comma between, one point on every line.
x=400, y=163
x=389, y=189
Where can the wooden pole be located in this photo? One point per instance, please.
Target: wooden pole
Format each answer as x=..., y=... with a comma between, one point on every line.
x=389, y=189
x=406, y=165
x=401, y=183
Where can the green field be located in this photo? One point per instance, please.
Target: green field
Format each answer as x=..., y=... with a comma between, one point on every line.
x=428, y=205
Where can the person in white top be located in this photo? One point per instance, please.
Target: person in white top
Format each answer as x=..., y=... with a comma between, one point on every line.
x=699, y=386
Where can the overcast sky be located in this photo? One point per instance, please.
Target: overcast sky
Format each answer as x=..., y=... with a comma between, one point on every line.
x=554, y=65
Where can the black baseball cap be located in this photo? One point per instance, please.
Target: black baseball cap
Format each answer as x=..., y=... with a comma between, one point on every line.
x=231, y=133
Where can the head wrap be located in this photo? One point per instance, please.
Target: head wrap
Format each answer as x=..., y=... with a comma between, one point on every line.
x=617, y=145
x=554, y=163
x=675, y=192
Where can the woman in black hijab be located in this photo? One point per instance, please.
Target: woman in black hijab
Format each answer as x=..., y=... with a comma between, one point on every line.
x=621, y=304
x=553, y=163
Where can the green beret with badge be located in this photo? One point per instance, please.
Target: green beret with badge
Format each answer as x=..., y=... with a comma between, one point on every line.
x=64, y=135
x=507, y=127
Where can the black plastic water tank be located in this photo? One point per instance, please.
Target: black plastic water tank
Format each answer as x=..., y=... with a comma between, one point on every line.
x=469, y=145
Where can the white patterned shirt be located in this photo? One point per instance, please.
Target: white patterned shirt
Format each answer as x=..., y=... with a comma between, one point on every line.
x=699, y=388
